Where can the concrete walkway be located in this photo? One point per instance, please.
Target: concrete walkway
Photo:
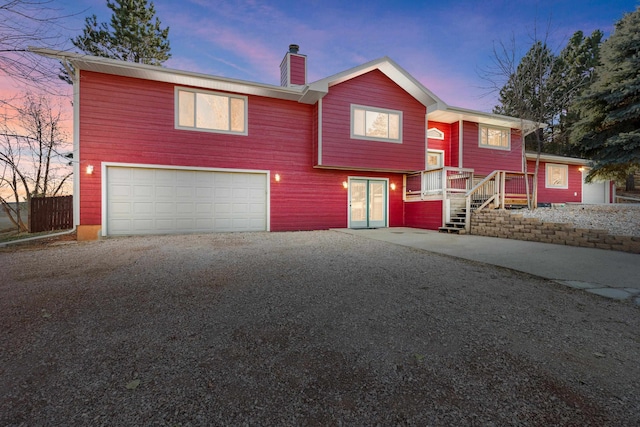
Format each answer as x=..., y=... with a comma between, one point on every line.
x=611, y=274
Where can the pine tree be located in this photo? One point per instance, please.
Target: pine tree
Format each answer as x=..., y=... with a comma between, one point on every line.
x=573, y=73
x=133, y=35
x=608, y=131
x=527, y=92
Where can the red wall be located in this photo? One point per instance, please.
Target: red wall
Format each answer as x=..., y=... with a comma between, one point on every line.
x=132, y=121
x=427, y=214
x=445, y=144
x=298, y=69
x=486, y=160
x=558, y=195
x=372, y=89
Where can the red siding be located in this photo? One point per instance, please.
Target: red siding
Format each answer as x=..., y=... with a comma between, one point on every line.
x=558, y=195
x=372, y=89
x=445, y=144
x=298, y=69
x=427, y=214
x=486, y=160
x=132, y=121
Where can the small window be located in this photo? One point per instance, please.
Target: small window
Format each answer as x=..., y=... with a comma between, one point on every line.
x=210, y=111
x=557, y=176
x=435, y=159
x=496, y=138
x=435, y=133
x=376, y=124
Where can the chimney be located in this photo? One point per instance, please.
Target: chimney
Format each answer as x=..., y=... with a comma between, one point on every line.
x=293, y=69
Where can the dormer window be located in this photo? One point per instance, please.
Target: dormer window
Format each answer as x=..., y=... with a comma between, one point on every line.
x=376, y=124
x=435, y=133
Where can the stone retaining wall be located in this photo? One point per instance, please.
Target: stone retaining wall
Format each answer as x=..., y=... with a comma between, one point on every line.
x=504, y=224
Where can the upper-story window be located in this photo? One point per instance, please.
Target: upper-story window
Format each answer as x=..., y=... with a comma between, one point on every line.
x=376, y=124
x=495, y=137
x=557, y=176
x=211, y=111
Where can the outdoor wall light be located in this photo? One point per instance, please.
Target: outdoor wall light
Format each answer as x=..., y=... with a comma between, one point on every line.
x=581, y=169
x=345, y=184
x=277, y=177
x=393, y=186
x=89, y=169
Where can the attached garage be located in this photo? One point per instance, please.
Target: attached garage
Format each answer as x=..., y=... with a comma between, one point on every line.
x=594, y=192
x=164, y=200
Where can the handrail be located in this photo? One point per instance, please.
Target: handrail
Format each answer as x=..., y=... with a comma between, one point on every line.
x=635, y=199
x=494, y=187
x=441, y=181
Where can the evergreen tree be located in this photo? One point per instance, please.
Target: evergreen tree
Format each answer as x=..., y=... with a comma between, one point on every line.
x=608, y=131
x=527, y=92
x=545, y=85
x=133, y=35
x=572, y=75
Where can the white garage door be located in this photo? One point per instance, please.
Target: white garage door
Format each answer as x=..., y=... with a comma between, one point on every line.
x=157, y=201
x=593, y=192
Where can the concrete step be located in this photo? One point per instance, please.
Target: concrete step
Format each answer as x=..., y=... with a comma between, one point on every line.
x=454, y=230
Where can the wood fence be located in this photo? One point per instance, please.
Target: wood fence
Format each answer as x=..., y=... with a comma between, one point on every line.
x=51, y=213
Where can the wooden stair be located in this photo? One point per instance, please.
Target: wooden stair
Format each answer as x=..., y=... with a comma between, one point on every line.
x=456, y=224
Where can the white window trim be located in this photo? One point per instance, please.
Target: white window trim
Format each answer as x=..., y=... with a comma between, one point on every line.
x=380, y=110
x=208, y=92
x=547, y=175
x=435, y=133
x=493, y=147
x=441, y=153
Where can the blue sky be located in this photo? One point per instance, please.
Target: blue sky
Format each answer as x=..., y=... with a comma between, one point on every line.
x=443, y=44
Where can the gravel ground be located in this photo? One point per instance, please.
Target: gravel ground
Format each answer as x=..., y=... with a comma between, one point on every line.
x=618, y=219
x=306, y=328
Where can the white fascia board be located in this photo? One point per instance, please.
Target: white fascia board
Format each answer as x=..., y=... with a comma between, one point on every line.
x=553, y=158
x=389, y=68
x=454, y=114
x=178, y=77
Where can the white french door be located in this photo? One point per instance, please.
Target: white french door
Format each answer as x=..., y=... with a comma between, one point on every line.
x=367, y=203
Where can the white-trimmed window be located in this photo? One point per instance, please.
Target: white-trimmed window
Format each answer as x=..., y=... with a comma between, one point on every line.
x=495, y=137
x=211, y=111
x=557, y=176
x=435, y=159
x=376, y=124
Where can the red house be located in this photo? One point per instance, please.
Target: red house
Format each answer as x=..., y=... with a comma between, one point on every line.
x=168, y=151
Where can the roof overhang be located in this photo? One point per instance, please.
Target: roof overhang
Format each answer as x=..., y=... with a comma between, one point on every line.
x=553, y=158
x=185, y=78
x=456, y=114
x=392, y=70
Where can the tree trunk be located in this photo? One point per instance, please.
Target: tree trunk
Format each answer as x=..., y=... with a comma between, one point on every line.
x=630, y=184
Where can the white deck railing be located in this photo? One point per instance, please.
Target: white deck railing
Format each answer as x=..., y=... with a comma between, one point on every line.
x=438, y=183
x=499, y=189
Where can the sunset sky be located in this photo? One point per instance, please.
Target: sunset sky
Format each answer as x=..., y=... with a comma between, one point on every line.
x=446, y=45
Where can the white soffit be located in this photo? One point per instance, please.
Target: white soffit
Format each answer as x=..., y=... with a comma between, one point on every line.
x=455, y=114
x=168, y=75
x=552, y=158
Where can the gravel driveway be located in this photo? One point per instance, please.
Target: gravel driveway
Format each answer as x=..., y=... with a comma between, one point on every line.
x=306, y=328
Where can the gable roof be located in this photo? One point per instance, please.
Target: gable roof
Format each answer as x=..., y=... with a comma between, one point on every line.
x=437, y=110
x=390, y=69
